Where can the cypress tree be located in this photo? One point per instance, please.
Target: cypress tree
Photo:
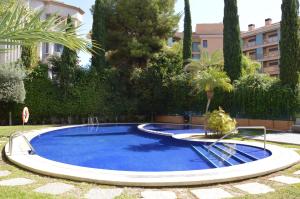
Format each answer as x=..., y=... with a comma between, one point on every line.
x=69, y=63
x=231, y=43
x=99, y=35
x=29, y=56
x=187, y=36
x=289, y=43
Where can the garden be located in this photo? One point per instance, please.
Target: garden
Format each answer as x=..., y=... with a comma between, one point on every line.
x=134, y=76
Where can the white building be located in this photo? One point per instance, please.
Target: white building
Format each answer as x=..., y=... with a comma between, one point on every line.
x=49, y=7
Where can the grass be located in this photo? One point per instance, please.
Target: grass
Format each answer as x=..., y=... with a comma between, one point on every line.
x=282, y=192
x=6, y=131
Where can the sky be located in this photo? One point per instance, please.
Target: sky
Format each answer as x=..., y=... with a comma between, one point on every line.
x=203, y=11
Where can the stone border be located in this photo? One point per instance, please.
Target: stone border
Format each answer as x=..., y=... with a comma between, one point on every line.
x=141, y=127
x=281, y=158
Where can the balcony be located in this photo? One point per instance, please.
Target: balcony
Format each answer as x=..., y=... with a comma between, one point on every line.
x=249, y=44
x=271, y=40
x=271, y=55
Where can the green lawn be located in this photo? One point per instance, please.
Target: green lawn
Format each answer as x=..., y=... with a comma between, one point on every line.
x=282, y=192
x=6, y=131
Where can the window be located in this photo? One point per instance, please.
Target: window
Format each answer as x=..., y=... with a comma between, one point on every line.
x=205, y=44
x=58, y=48
x=275, y=63
x=273, y=37
x=273, y=49
x=252, y=40
x=46, y=48
x=196, y=56
x=195, y=47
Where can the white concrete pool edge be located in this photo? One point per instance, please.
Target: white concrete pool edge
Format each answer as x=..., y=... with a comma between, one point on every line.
x=281, y=158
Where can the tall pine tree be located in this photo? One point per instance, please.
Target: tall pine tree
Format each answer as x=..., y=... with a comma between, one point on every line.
x=99, y=35
x=289, y=43
x=69, y=63
x=187, y=36
x=231, y=43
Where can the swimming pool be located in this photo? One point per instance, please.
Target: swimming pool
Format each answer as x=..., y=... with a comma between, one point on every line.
x=125, y=148
x=122, y=154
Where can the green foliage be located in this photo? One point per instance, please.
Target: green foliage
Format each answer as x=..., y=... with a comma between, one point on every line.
x=187, y=36
x=249, y=66
x=21, y=26
x=161, y=86
x=211, y=78
x=99, y=34
x=138, y=29
x=68, y=65
x=232, y=46
x=260, y=96
x=207, y=60
x=11, y=83
x=29, y=56
x=219, y=122
x=289, y=43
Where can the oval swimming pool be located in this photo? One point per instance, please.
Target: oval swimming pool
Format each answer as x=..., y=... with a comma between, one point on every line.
x=124, y=147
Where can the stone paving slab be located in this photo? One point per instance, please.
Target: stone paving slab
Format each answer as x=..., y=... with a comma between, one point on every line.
x=55, y=188
x=254, y=188
x=285, y=179
x=158, y=195
x=211, y=193
x=97, y=193
x=297, y=172
x=4, y=173
x=288, y=138
x=16, y=182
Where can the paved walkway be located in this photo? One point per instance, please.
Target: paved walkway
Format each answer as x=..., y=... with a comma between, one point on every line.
x=287, y=138
x=216, y=192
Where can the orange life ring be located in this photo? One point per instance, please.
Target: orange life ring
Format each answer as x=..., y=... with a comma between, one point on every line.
x=25, y=115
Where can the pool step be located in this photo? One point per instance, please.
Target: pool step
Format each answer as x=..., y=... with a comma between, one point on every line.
x=213, y=159
x=232, y=154
x=244, y=154
x=223, y=156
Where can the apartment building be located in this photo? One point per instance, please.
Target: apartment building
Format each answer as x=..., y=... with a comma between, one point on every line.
x=262, y=44
x=48, y=7
x=207, y=37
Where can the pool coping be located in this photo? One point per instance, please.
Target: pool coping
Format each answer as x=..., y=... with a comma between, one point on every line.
x=281, y=158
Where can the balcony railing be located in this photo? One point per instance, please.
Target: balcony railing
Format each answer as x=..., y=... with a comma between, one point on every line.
x=270, y=55
x=270, y=40
x=250, y=44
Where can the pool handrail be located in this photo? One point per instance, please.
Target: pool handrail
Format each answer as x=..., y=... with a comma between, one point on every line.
x=238, y=128
x=32, y=150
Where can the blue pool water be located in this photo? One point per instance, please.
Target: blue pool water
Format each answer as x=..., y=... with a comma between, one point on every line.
x=124, y=147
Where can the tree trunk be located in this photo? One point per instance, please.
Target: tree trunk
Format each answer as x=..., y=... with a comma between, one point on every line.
x=209, y=95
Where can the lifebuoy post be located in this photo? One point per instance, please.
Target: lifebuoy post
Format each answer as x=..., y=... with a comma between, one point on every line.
x=25, y=115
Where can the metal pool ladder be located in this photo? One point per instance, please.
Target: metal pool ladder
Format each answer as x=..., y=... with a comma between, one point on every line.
x=32, y=150
x=238, y=128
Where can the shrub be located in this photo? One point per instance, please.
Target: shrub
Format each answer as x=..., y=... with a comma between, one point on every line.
x=219, y=122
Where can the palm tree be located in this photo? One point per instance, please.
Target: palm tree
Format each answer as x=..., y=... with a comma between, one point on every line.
x=21, y=26
x=214, y=59
x=208, y=80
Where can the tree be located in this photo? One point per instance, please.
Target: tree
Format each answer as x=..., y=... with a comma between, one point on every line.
x=231, y=43
x=210, y=79
x=69, y=63
x=249, y=66
x=289, y=43
x=29, y=56
x=187, y=36
x=137, y=29
x=12, y=89
x=207, y=60
x=11, y=83
x=21, y=26
x=99, y=34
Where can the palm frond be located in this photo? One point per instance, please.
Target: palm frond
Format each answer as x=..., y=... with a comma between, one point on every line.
x=20, y=26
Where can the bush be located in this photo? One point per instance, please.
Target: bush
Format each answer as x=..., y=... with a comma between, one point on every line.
x=219, y=122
